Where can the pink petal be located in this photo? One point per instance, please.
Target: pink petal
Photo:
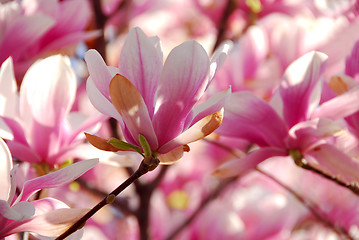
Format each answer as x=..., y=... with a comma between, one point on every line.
x=130, y=104
x=16, y=129
x=211, y=105
x=52, y=223
x=141, y=63
x=253, y=51
x=101, y=103
x=19, y=212
x=340, y=106
x=99, y=73
x=70, y=39
x=44, y=108
x=69, y=24
x=306, y=133
x=48, y=204
x=240, y=166
x=56, y=179
x=298, y=86
x=246, y=116
x=86, y=124
x=199, y=130
x=5, y=168
x=8, y=90
x=218, y=58
x=23, y=152
x=30, y=28
x=334, y=162
x=182, y=83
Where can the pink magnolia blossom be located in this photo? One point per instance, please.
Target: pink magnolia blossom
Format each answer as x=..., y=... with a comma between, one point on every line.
x=37, y=122
x=45, y=26
x=295, y=123
x=47, y=216
x=156, y=100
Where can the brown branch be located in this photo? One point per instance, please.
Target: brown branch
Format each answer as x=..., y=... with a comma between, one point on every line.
x=120, y=203
x=145, y=193
x=145, y=166
x=305, y=165
x=100, y=21
x=222, y=26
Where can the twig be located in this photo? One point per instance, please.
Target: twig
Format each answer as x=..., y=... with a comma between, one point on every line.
x=119, y=203
x=100, y=21
x=305, y=165
x=222, y=27
x=145, y=166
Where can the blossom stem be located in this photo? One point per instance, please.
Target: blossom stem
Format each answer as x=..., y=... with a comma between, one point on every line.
x=144, y=167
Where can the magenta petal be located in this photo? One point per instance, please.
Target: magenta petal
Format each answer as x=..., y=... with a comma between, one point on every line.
x=23, y=152
x=241, y=166
x=340, y=106
x=298, y=86
x=16, y=129
x=30, y=28
x=70, y=39
x=141, y=63
x=56, y=179
x=183, y=81
x=246, y=116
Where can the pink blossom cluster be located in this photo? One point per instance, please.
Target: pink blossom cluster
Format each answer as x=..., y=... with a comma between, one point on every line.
x=245, y=113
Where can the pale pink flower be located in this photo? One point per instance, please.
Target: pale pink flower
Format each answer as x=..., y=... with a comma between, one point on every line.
x=45, y=26
x=297, y=123
x=47, y=216
x=37, y=122
x=156, y=100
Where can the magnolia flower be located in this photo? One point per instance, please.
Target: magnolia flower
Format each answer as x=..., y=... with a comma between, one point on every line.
x=157, y=101
x=297, y=124
x=47, y=216
x=37, y=123
x=45, y=26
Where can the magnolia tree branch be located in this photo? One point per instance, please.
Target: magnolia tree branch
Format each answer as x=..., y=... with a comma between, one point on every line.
x=222, y=27
x=148, y=164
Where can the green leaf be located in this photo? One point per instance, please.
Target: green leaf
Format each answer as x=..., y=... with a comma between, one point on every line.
x=145, y=146
x=117, y=143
